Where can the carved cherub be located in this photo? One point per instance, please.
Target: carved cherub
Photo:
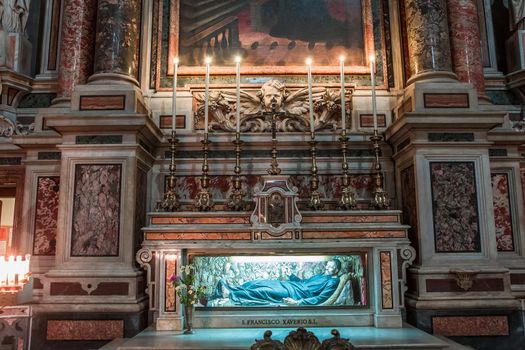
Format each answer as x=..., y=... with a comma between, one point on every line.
x=293, y=108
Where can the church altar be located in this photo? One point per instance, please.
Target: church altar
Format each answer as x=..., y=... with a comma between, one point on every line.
x=372, y=246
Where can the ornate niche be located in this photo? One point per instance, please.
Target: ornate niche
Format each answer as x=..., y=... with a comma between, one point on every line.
x=292, y=108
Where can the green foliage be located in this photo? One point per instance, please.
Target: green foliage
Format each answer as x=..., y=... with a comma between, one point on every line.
x=189, y=293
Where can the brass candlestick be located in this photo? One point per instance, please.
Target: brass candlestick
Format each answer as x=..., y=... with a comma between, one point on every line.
x=347, y=200
x=274, y=166
x=380, y=200
x=236, y=201
x=170, y=202
x=315, y=197
x=203, y=201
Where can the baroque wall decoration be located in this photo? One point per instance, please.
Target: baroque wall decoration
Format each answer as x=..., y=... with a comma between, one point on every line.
x=46, y=214
x=502, y=212
x=96, y=210
x=455, y=207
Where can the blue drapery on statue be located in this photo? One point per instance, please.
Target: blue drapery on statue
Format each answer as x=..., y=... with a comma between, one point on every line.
x=311, y=291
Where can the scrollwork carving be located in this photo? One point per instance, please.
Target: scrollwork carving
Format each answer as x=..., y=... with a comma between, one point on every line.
x=8, y=128
x=292, y=107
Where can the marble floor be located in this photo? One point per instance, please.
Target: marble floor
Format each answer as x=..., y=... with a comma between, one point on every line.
x=242, y=338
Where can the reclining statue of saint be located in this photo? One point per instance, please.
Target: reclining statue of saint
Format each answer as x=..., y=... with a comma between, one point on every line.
x=292, y=292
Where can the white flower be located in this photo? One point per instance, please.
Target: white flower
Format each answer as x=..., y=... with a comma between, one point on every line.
x=192, y=302
x=177, y=288
x=190, y=292
x=187, y=269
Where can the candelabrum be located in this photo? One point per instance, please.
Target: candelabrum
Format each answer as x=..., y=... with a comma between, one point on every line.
x=236, y=201
x=203, y=201
x=274, y=166
x=347, y=200
x=380, y=200
x=315, y=197
x=170, y=202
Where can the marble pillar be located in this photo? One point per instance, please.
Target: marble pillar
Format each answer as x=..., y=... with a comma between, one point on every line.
x=117, y=41
x=428, y=40
x=465, y=42
x=76, y=46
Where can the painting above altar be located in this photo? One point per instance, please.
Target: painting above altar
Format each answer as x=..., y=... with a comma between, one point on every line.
x=282, y=280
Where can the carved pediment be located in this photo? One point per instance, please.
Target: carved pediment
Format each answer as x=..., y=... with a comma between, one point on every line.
x=293, y=108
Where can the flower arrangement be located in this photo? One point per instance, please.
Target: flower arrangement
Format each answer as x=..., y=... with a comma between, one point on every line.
x=185, y=288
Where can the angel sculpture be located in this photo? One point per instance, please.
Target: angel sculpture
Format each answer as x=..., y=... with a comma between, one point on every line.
x=256, y=108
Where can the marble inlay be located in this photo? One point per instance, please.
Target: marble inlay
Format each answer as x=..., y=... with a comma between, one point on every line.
x=171, y=269
x=386, y=280
x=470, y=326
x=428, y=36
x=141, y=201
x=329, y=186
x=105, y=102
x=117, y=37
x=96, y=210
x=409, y=206
x=465, y=42
x=84, y=329
x=455, y=207
x=502, y=212
x=444, y=100
x=76, y=44
x=46, y=214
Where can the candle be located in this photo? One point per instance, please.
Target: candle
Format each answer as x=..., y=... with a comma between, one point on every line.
x=174, y=103
x=372, y=80
x=238, y=102
x=206, y=93
x=343, y=103
x=310, y=99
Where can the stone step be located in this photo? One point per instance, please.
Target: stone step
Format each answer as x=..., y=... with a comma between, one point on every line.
x=369, y=338
x=114, y=344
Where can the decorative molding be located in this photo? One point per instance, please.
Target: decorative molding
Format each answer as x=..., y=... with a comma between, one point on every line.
x=465, y=278
x=292, y=105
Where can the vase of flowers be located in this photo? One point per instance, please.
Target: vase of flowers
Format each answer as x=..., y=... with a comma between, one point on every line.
x=189, y=294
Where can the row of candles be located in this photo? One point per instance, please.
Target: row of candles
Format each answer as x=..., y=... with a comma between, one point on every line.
x=14, y=272
x=238, y=93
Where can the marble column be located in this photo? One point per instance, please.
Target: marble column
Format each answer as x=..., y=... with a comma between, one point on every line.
x=428, y=40
x=117, y=41
x=76, y=46
x=465, y=42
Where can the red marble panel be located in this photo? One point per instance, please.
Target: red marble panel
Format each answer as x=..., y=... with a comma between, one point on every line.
x=199, y=236
x=171, y=270
x=367, y=120
x=84, y=329
x=96, y=210
x=76, y=44
x=445, y=100
x=165, y=121
x=353, y=234
x=310, y=218
x=111, y=288
x=386, y=280
x=517, y=278
x=199, y=220
x=66, y=288
x=101, y=103
x=450, y=285
x=502, y=213
x=46, y=214
x=470, y=326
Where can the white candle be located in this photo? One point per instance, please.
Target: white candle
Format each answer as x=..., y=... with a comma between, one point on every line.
x=174, y=103
x=238, y=102
x=310, y=99
x=372, y=81
x=206, y=94
x=343, y=102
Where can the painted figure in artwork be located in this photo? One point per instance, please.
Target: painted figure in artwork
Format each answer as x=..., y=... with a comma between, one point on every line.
x=292, y=292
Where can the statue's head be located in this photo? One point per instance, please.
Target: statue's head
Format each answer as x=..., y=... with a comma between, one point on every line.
x=273, y=92
x=333, y=267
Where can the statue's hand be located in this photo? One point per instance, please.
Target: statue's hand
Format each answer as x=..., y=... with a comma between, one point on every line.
x=290, y=301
